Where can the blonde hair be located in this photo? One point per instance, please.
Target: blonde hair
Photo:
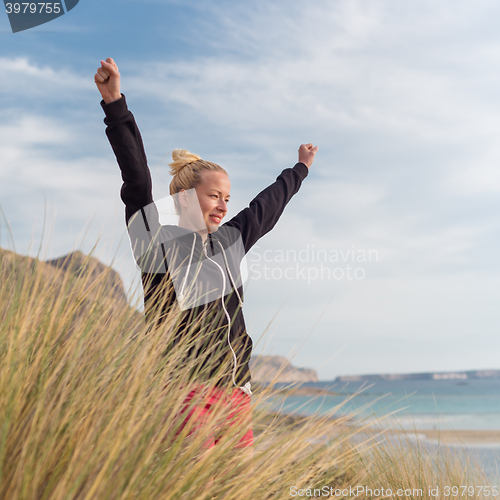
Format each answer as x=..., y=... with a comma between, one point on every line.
x=186, y=168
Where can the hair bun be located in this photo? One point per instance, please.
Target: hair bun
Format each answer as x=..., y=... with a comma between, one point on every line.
x=181, y=157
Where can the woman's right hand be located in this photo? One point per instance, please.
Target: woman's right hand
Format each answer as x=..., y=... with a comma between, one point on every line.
x=107, y=80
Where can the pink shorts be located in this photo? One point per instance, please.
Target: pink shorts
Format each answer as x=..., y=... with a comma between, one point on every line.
x=235, y=408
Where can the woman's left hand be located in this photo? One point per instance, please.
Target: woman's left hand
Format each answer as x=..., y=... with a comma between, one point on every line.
x=307, y=152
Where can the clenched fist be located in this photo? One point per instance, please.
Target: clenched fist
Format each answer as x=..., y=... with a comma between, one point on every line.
x=307, y=152
x=107, y=80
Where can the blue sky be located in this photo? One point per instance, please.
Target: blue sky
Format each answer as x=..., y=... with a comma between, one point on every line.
x=402, y=100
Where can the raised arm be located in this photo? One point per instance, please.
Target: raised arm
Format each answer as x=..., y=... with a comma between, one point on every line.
x=125, y=139
x=136, y=191
x=265, y=209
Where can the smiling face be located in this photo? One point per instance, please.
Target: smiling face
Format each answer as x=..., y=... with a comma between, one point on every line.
x=213, y=195
x=203, y=208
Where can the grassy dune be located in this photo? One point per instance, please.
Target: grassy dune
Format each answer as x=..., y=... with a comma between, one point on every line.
x=89, y=410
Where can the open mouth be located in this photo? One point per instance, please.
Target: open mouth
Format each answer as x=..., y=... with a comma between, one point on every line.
x=215, y=218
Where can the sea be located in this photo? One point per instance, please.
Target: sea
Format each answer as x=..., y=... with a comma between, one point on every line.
x=414, y=405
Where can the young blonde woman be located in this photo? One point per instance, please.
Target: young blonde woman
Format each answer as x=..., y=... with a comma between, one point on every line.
x=200, y=257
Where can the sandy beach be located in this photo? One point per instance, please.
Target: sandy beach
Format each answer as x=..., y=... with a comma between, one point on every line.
x=462, y=437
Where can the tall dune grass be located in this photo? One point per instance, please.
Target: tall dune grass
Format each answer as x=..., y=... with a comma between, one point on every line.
x=89, y=404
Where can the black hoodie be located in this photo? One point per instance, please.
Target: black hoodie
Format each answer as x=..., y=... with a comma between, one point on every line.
x=175, y=256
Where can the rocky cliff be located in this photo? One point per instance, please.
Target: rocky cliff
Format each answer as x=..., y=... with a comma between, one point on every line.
x=101, y=283
x=77, y=262
x=277, y=369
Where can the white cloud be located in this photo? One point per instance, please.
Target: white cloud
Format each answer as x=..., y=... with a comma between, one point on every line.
x=480, y=175
x=20, y=76
x=353, y=68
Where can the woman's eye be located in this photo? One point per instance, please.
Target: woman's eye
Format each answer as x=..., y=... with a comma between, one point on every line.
x=214, y=196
